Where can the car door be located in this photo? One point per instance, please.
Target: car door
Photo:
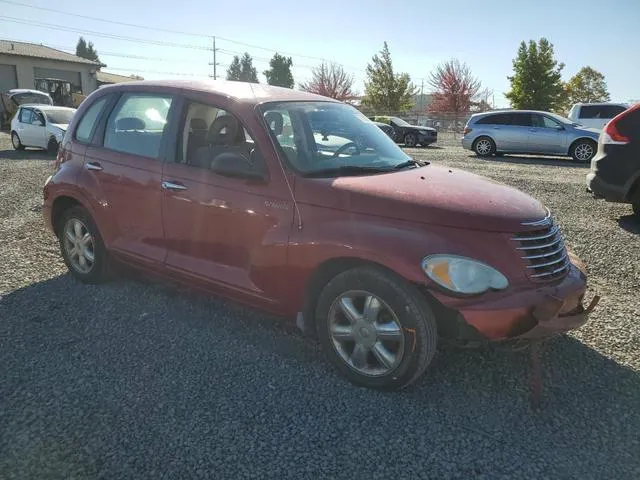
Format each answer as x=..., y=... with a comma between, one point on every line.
x=123, y=172
x=38, y=130
x=546, y=135
x=23, y=126
x=227, y=231
x=516, y=133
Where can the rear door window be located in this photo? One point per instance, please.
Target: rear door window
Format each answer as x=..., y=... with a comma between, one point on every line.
x=137, y=124
x=25, y=115
x=87, y=124
x=521, y=119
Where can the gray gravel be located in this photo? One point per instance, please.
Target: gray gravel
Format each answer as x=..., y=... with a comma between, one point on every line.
x=138, y=380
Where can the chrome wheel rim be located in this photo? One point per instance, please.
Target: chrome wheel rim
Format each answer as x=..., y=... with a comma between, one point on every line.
x=584, y=152
x=15, y=141
x=483, y=147
x=79, y=245
x=410, y=141
x=366, y=333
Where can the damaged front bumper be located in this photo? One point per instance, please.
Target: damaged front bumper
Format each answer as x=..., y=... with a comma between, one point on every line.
x=528, y=315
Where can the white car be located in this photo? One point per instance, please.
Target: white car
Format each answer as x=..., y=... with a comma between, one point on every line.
x=40, y=126
x=595, y=115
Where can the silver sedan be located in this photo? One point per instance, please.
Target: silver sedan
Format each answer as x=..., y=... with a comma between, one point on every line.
x=528, y=131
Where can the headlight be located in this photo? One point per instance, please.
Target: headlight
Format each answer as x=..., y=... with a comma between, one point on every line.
x=463, y=275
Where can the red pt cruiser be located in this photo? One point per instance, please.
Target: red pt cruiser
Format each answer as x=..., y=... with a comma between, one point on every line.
x=299, y=205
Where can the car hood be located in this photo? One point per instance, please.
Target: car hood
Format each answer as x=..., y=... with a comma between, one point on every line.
x=423, y=129
x=431, y=195
x=61, y=126
x=588, y=130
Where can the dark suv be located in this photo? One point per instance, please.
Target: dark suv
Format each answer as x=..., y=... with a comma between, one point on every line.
x=615, y=170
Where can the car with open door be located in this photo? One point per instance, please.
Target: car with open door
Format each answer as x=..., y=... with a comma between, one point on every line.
x=230, y=187
x=40, y=126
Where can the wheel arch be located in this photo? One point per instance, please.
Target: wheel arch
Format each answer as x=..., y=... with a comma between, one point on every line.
x=60, y=205
x=579, y=139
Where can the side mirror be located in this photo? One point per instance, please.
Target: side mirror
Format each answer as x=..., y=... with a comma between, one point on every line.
x=235, y=165
x=559, y=127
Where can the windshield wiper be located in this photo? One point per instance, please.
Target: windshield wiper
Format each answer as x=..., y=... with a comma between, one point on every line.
x=410, y=163
x=347, y=170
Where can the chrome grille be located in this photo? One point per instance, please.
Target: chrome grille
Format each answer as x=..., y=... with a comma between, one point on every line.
x=543, y=250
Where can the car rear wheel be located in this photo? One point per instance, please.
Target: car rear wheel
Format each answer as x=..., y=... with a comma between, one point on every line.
x=15, y=141
x=583, y=151
x=484, y=147
x=82, y=247
x=410, y=140
x=376, y=329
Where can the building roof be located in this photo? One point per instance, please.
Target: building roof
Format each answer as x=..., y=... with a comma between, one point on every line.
x=10, y=47
x=106, y=77
x=252, y=93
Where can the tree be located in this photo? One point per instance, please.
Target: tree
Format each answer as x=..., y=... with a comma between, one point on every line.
x=386, y=91
x=86, y=50
x=587, y=86
x=330, y=80
x=242, y=69
x=455, y=89
x=536, y=83
x=279, y=73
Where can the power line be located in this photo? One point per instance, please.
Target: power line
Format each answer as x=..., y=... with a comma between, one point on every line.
x=99, y=34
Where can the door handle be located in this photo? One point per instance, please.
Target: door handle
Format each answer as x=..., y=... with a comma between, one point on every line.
x=173, y=186
x=533, y=130
x=496, y=128
x=93, y=166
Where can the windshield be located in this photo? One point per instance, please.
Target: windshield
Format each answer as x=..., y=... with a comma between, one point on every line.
x=400, y=122
x=35, y=98
x=60, y=116
x=321, y=136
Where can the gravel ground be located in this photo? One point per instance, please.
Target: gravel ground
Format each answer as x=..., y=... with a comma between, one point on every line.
x=137, y=380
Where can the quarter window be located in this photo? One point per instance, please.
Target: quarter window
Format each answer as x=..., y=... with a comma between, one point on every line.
x=600, y=111
x=497, y=119
x=88, y=122
x=137, y=124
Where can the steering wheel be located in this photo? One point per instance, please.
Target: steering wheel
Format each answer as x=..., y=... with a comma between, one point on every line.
x=346, y=146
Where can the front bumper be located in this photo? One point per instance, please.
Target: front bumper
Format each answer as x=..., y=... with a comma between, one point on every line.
x=532, y=314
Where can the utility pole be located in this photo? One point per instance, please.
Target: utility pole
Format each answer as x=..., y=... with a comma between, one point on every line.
x=214, y=63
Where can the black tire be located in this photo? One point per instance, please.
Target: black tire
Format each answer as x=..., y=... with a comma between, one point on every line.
x=580, y=151
x=484, y=146
x=410, y=140
x=15, y=141
x=100, y=269
x=417, y=325
x=52, y=146
x=636, y=208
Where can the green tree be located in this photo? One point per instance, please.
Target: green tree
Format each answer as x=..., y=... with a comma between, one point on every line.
x=587, y=86
x=536, y=82
x=386, y=91
x=279, y=72
x=242, y=69
x=86, y=50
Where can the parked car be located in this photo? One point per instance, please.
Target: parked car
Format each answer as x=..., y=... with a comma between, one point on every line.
x=12, y=99
x=410, y=135
x=529, y=131
x=386, y=128
x=615, y=170
x=377, y=254
x=40, y=126
x=595, y=115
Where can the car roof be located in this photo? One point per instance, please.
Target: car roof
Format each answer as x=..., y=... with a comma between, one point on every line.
x=16, y=91
x=45, y=107
x=243, y=92
x=597, y=104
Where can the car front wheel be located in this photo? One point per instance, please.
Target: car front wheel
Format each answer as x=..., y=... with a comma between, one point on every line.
x=410, y=140
x=82, y=248
x=376, y=329
x=15, y=141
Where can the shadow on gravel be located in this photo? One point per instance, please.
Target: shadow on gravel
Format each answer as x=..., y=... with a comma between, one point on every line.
x=630, y=223
x=142, y=365
x=519, y=160
x=26, y=154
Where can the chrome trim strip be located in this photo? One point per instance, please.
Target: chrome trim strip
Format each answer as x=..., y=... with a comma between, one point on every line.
x=557, y=270
x=544, y=221
x=540, y=265
x=542, y=255
x=552, y=231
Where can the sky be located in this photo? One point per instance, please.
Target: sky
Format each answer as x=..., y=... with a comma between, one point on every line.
x=420, y=34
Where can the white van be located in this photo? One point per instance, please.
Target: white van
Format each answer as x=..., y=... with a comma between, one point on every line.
x=595, y=115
